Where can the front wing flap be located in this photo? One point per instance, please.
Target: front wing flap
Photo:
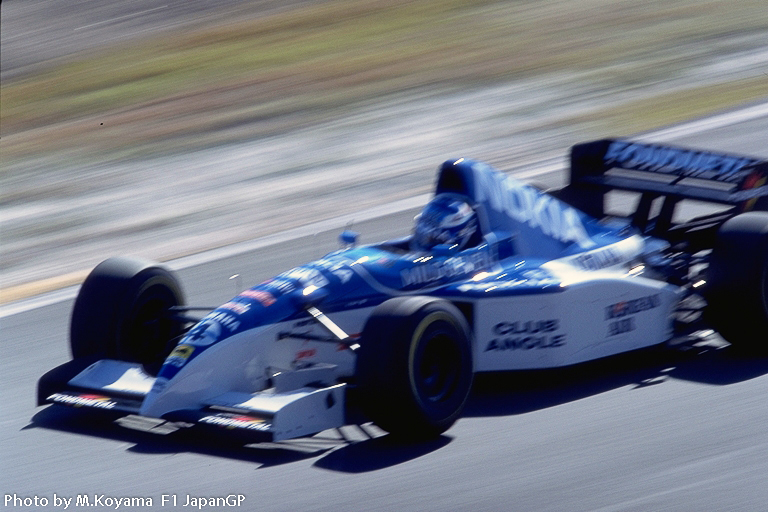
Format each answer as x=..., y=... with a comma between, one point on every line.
x=274, y=414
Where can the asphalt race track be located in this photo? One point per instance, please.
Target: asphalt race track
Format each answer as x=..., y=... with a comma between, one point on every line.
x=665, y=430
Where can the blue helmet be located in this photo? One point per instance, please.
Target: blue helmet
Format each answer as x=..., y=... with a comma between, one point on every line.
x=447, y=220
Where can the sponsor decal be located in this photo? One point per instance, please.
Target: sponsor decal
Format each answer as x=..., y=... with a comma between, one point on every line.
x=344, y=274
x=749, y=196
x=620, y=314
x=752, y=188
x=385, y=262
x=207, y=332
x=227, y=320
x=180, y=355
x=621, y=326
x=265, y=298
x=526, y=335
x=617, y=253
x=278, y=286
x=684, y=162
x=287, y=281
x=527, y=205
x=235, y=421
x=237, y=307
x=97, y=401
x=532, y=278
x=306, y=276
x=631, y=307
x=306, y=354
x=337, y=268
x=445, y=269
x=527, y=327
x=595, y=260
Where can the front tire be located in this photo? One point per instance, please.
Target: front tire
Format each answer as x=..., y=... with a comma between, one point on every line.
x=414, y=366
x=737, y=280
x=123, y=312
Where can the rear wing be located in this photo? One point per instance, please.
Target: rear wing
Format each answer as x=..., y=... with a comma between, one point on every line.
x=657, y=170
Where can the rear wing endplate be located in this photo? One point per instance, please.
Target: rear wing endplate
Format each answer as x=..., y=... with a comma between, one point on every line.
x=662, y=170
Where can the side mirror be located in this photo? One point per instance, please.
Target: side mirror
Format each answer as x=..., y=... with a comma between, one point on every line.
x=348, y=238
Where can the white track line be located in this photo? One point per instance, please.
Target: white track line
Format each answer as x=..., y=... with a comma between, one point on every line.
x=709, y=123
x=532, y=171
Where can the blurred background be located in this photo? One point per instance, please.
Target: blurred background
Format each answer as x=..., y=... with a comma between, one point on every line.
x=164, y=128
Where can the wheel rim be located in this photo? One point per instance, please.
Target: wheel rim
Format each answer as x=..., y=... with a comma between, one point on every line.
x=436, y=370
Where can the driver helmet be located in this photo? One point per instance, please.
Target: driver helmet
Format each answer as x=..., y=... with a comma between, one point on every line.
x=446, y=220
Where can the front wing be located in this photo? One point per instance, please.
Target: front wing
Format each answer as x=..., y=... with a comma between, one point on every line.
x=275, y=414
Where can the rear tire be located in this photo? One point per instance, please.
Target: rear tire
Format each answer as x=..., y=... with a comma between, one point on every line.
x=414, y=366
x=737, y=281
x=123, y=312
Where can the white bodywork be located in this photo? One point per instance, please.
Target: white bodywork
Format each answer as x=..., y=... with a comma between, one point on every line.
x=291, y=385
x=588, y=320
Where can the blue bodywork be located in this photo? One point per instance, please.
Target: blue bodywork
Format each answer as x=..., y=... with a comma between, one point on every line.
x=521, y=229
x=546, y=281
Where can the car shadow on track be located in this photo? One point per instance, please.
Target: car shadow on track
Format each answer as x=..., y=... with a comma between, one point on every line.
x=355, y=450
x=378, y=453
x=89, y=423
x=502, y=394
x=350, y=449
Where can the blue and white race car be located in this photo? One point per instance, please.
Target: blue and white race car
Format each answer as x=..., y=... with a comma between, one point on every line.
x=496, y=276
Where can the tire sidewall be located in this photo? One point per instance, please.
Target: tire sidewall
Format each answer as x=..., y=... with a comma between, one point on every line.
x=158, y=284
x=394, y=343
x=108, y=303
x=443, y=326
x=737, y=293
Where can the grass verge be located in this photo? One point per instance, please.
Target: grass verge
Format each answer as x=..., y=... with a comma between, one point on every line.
x=273, y=73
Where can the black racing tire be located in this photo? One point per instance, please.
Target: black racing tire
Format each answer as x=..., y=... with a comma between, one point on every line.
x=123, y=312
x=414, y=366
x=737, y=281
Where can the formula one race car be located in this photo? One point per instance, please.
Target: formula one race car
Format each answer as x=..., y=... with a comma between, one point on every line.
x=497, y=275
